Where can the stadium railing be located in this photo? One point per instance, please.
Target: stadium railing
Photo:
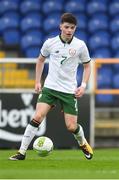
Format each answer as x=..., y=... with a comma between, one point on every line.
x=106, y=115
x=97, y=64
x=17, y=74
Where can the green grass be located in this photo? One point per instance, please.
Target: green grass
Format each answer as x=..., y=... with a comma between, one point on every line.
x=61, y=164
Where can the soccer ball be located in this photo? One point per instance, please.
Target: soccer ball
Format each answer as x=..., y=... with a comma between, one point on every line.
x=43, y=145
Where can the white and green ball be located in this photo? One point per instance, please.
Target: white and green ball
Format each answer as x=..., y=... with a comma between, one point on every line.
x=43, y=145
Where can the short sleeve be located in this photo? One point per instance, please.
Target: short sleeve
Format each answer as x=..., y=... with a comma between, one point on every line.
x=45, y=49
x=84, y=56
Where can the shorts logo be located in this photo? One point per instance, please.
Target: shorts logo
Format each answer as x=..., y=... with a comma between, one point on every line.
x=72, y=52
x=39, y=96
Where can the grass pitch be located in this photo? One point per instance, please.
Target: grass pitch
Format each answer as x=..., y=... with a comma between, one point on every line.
x=61, y=164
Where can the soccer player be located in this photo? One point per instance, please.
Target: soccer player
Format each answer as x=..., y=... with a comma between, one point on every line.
x=65, y=52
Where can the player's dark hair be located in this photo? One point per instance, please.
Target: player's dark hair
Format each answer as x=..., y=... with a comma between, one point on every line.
x=69, y=18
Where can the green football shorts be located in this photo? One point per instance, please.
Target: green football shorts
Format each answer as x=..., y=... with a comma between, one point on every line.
x=68, y=101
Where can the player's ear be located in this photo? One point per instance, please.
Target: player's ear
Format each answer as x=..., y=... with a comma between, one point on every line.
x=60, y=26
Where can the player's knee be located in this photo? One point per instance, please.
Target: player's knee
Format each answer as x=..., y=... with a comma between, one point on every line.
x=71, y=127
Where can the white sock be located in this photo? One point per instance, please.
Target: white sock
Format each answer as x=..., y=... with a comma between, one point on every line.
x=29, y=134
x=80, y=136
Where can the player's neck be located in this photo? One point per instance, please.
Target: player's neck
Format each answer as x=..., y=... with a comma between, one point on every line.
x=65, y=40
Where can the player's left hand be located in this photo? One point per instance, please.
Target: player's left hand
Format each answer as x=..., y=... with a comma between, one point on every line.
x=79, y=91
x=38, y=87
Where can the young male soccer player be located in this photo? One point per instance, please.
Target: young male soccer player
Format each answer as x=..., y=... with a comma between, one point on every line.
x=64, y=52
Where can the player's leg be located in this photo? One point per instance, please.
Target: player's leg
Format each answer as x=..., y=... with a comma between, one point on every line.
x=77, y=130
x=73, y=127
x=31, y=129
x=70, y=108
x=45, y=102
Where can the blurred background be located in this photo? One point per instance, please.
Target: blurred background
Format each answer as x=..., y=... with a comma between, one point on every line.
x=24, y=26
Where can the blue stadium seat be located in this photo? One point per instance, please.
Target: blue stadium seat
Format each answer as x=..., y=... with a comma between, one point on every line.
x=34, y=14
x=101, y=53
x=98, y=22
x=106, y=2
x=99, y=40
x=51, y=22
x=17, y=1
x=82, y=21
x=29, y=23
x=11, y=37
x=52, y=34
x=81, y=35
x=7, y=5
x=76, y=6
x=106, y=99
x=8, y=23
x=32, y=52
x=12, y=15
x=35, y=32
x=116, y=81
x=104, y=78
x=115, y=43
x=95, y=7
x=116, y=100
x=31, y=44
x=114, y=25
x=30, y=41
x=37, y=1
x=0, y=29
x=116, y=55
x=115, y=68
x=51, y=6
x=28, y=6
x=114, y=8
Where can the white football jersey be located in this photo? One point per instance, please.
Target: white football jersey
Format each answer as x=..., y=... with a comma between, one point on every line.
x=64, y=59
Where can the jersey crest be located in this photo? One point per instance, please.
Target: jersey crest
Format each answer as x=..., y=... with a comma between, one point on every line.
x=72, y=52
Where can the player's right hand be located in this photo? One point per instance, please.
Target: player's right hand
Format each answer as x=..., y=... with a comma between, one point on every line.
x=38, y=87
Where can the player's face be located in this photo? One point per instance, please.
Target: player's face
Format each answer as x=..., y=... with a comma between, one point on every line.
x=67, y=30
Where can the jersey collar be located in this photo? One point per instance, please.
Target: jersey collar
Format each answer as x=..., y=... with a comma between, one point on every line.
x=64, y=41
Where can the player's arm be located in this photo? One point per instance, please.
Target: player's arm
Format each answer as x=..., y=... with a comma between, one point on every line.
x=85, y=58
x=39, y=70
x=86, y=74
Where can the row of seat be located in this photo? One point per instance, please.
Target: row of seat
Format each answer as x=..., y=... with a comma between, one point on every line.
x=28, y=23
x=100, y=44
x=2, y=54
x=107, y=100
x=19, y=83
x=35, y=20
x=108, y=78
x=48, y=6
x=15, y=78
